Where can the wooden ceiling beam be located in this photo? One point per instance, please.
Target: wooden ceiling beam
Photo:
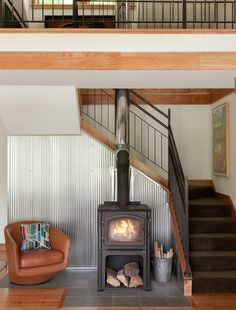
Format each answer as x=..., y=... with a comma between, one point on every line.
x=117, y=60
x=217, y=94
x=162, y=96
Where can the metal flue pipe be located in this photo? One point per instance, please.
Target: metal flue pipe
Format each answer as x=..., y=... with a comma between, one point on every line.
x=122, y=146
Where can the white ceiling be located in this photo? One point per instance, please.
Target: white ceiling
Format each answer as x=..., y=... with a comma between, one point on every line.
x=45, y=102
x=121, y=79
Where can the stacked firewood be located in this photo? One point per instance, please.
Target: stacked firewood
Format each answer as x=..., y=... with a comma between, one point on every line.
x=128, y=276
x=158, y=251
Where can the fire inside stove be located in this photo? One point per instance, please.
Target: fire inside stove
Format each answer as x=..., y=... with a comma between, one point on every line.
x=124, y=230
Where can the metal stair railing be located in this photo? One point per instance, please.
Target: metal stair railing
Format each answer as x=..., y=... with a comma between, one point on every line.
x=128, y=14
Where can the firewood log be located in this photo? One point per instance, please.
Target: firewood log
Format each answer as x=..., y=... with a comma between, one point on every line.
x=156, y=250
x=122, y=278
x=131, y=269
x=135, y=281
x=112, y=278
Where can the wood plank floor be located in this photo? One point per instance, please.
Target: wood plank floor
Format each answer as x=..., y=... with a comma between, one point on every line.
x=52, y=299
x=35, y=299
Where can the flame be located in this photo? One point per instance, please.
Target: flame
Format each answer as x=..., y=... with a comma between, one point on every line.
x=125, y=228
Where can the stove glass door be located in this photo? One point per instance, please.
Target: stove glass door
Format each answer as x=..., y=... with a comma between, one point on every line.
x=125, y=230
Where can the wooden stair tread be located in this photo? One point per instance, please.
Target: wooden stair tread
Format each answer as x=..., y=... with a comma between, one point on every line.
x=214, y=274
x=212, y=219
x=193, y=187
x=212, y=253
x=207, y=201
x=212, y=235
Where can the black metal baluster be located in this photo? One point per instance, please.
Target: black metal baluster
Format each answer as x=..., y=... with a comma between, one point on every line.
x=53, y=5
x=162, y=14
x=43, y=18
x=184, y=14
x=161, y=152
x=224, y=14
x=63, y=10
x=101, y=99
x=155, y=149
x=209, y=15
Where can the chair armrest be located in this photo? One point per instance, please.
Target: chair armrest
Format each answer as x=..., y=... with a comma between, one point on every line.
x=59, y=241
x=13, y=258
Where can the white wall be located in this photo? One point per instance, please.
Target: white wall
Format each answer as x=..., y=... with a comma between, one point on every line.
x=40, y=110
x=227, y=185
x=3, y=180
x=192, y=130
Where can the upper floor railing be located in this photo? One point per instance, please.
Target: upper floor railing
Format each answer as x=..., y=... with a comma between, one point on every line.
x=129, y=14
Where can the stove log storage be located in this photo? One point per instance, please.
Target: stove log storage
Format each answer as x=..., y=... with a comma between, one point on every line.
x=123, y=226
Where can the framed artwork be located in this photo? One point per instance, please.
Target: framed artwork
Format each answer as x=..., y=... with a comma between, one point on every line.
x=221, y=147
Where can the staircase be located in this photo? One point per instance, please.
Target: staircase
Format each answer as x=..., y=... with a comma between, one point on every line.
x=212, y=242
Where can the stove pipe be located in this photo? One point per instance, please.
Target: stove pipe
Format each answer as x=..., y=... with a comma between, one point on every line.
x=122, y=145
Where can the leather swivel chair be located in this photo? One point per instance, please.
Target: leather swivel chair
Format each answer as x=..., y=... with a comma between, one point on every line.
x=35, y=266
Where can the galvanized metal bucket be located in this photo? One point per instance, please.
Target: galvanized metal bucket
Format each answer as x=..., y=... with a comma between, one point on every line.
x=162, y=269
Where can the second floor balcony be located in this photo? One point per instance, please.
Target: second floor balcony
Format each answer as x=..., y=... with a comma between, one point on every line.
x=130, y=14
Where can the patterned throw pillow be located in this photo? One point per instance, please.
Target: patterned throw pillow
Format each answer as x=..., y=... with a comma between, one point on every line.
x=35, y=236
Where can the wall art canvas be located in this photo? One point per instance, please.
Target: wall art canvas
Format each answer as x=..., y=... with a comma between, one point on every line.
x=221, y=147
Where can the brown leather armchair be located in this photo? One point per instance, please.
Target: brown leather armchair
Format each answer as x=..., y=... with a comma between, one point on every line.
x=35, y=266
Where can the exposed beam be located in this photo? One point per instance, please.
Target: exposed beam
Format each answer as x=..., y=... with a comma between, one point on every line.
x=158, y=96
x=117, y=61
x=219, y=93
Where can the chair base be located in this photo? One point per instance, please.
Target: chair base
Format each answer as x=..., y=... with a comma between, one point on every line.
x=34, y=280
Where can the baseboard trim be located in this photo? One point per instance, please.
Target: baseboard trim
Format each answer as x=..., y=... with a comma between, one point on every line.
x=228, y=200
x=200, y=183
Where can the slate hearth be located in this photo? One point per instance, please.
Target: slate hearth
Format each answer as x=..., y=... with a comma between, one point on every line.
x=81, y=291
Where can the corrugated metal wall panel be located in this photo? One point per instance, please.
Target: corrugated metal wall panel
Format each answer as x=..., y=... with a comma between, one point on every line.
x=149, y=192
x=62, y=179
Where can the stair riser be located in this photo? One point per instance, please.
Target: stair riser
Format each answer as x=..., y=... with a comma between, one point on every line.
x=213, y=263
x=212, y=244
x=195, y=193
x=198, y=226
x=209, y=211
x=208, y=285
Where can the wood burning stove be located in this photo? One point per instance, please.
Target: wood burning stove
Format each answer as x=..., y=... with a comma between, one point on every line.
x=124, y=236
x=123, y=226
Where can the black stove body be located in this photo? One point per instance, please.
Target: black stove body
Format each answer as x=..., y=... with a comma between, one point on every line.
x=114, y=249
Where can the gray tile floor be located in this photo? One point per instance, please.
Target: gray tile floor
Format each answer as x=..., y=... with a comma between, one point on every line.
x=81, y=291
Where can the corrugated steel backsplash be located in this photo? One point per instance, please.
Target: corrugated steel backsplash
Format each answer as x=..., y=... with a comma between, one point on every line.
x=62, y=179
